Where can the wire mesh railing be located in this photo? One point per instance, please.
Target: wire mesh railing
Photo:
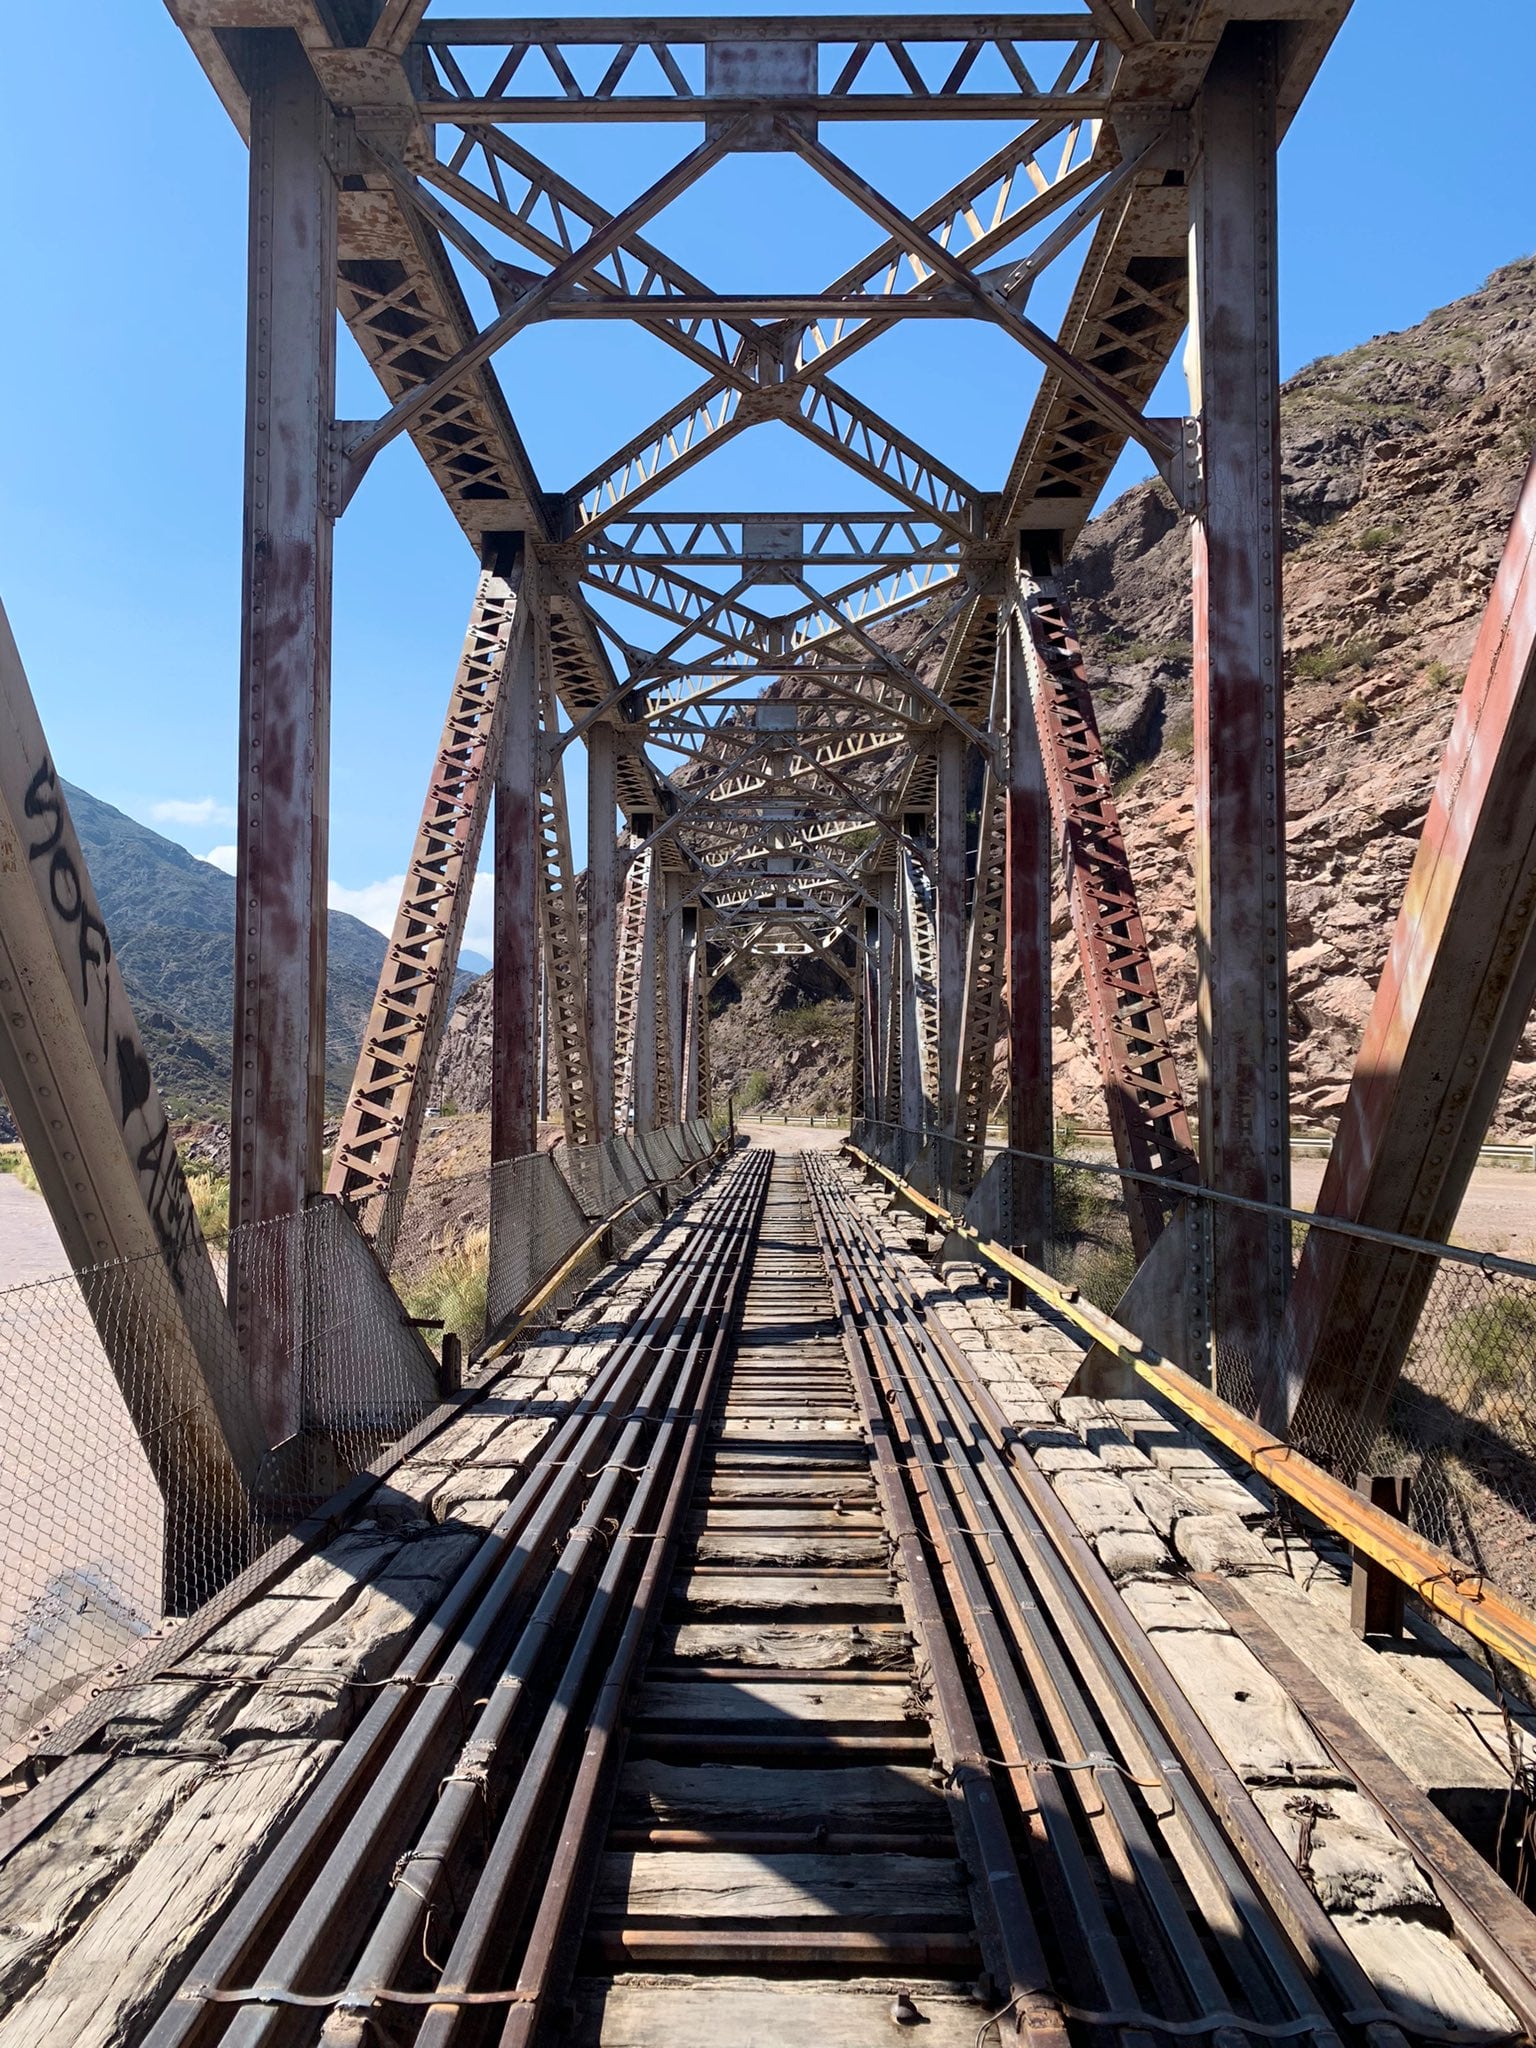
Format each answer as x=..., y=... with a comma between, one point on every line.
x=473, y=1249
x=122, y=1388
x=1421, y=1361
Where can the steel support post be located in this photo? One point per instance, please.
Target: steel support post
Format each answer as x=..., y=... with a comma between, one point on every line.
x=949, y=912
x=913, y=1112
x=602, y=922
x=674, y=986
x=871, y=985
x=1454, y=997
x=515, y=978
x=1027, y=935
x=696, y=993
x=1239, y=699
x=285, y=653
x=643, y=1093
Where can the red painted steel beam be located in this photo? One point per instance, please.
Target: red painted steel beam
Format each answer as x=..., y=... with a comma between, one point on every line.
x=1238, y=696
x=1142, y=1095
x=515, y=1035
x=1454, y=997
x=285, y=683
x=1027, y=934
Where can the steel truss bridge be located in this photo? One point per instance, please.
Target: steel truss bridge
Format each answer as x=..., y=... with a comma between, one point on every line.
x=870, y=1507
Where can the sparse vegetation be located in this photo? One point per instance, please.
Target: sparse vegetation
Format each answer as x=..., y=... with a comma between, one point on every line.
x=452, y=1289
x=829, y=1019
x=756, y=1089
x=14, y=1160
x=1437, y=674
x=1119, y=654
x=210, y=1198
x=1327, y=663
x=1376, y=538
x=1358, y=715
x=1495, y=1344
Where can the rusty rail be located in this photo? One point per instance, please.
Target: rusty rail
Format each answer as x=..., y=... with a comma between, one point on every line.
x=1445, y=1585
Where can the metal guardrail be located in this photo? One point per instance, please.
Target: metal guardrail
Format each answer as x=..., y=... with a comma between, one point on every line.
x=1440, y=1579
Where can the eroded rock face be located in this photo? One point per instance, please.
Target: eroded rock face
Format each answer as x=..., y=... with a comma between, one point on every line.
x=1402, y=460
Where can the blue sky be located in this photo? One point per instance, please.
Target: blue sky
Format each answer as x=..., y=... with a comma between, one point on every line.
x=122, y=362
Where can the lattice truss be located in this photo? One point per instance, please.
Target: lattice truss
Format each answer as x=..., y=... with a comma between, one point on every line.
x=777, y=678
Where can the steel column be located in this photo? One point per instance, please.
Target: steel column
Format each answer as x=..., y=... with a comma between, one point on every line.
x=913, y=1116
x=1238, y=695
x=949, y=911
x=602, y=922
x=1454, y=997
x=1027, y=931
x=515, y=977
x=1130, y=1035
x=696, y=993
x=674, y=986
x=645, y=1047
x=280, y=927
x=382, y=1122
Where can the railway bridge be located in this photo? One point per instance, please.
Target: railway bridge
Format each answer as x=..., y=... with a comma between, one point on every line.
x=839, y=1583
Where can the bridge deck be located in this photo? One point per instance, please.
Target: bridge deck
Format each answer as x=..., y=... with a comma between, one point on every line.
x=756, y=1782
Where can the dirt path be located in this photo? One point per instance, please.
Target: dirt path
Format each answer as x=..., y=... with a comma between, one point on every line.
x=29, y=1244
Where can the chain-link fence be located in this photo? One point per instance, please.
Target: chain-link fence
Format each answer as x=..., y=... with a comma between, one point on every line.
x=146, y=1455
x=147, y=1452
x=1408, y=1358
x=473, y=1249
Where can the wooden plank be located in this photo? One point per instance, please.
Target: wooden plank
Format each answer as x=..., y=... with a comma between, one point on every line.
x=765, y=1700
x=52, y=1881
x=874, y=1891
x=885, y=1798
x=795, y=1550
x=1499, y=1932
x=752, y=2013
x=828, y=1595
x=116, y=1969
x=871, y=1645
x=735, y=1485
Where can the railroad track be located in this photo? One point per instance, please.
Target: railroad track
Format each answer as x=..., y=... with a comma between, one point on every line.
x=783, y=1702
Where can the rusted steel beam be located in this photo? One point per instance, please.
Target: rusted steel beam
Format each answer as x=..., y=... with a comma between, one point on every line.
x=949, y=910
x=1027, y=929
x=1146, y=1109
x=602, y=923
x=285, y=686
x=1453, y=999
x=77, y=1078
x=1239, y=699
x=674, y=997
x=516, y=952
x=381, y=1126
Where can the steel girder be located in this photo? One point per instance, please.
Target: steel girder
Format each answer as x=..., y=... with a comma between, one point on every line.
x=432, y=178
x=375, y=1148
x=1453, y=999
x=1142, y=1095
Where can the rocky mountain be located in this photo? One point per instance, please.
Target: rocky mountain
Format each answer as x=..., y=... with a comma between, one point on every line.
x=172, y=921
x=1401, y=463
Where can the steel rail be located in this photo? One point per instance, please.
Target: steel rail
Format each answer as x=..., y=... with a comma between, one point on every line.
x=1008, y=1931
x=467, y=1626
x=578, y=1832
x=893, y=1331
x=1454, y=1590
x=1068, y=1572
x=419, y=1874
x=332, y=1916
x=1169, y=1947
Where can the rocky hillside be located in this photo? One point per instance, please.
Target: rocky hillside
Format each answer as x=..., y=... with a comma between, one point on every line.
x=172, y=921
x=1401, y=463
